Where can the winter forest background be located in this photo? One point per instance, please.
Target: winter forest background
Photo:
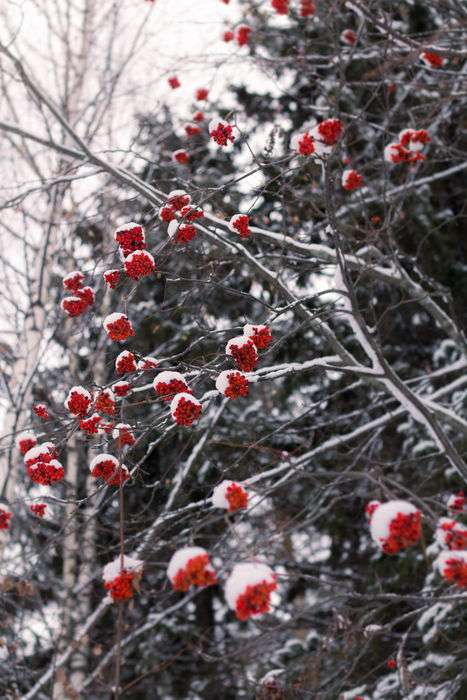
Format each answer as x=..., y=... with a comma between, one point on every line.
x=314, y=466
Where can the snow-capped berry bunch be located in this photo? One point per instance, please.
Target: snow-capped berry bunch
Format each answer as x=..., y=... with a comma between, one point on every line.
x=198, y=116
x=185, y=409
x=408, y=148
x=319, y=140
x=130, y=237
x=5, y=517
x=38, y=509
x=91, y=425
x=166, y=384
x=192, y=129
x=180, y=216
x=395, y=525
x=244, y=348
x=453, y=567
x=240, y=223
x=432, y=59
x=351, y=180
x=111, y=278
x=181, y=156
x=147, y=363
x=201, y=94
x=123, y=434
x=260, y=335
x=40, y=409
x=243, y=351
x=118, y=327
x=349, y=37
x=105, y=402
x=78, y=401
x=121, y=389
x=221, y=132
x=122, y=576
x=42, y=465
x=25, y=442
x=177, y=199
x=248, y=589
x=451, y=534
x=107, y=467
x=232, y=384
x=82, y=297
x=190, y=566
x=228, y=36
x=125, y=363
x=180, y=232
x=303, y=143
x=73, y=281
x=139, y=264
x=456, y=502
x=229, y=495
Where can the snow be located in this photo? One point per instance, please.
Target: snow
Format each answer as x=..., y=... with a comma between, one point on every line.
x=384, y=514
x=113, y=568
x=243, y=575
x=173, y=227
x=168, y=376
x=181, y=557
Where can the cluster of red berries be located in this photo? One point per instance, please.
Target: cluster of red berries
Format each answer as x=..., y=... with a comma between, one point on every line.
x=82, y=297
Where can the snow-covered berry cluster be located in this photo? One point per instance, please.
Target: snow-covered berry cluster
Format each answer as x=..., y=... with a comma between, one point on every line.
x=25, y=442
x=41, y=411
x=240, y=224
x=319, y=140
x=232, y=384
x=408, y=148
x=107, y=467
x=244, y=348
x=38, y=509
x=247, y=590
x=118, y=327
x=221, y=132
x=190, y=566
x=351, y=180
x=432, y=59
x=122, y=576
x=130, y=237
x=185, y=409
x=180, y=215
x=5, y=517
x=394, y=525
x=42, y=465
x=229, y=495
x=82, y=297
